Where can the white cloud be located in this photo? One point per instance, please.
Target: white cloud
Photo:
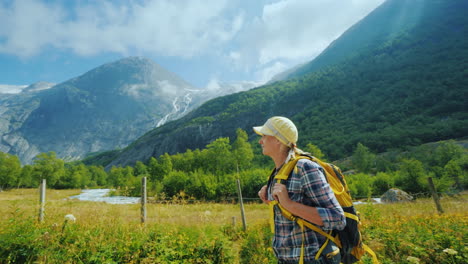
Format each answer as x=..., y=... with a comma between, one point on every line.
x=172, y=28
x=168, y=88
x=280, y=35
x=27, y=27
x=213, y=85
x=267, y=72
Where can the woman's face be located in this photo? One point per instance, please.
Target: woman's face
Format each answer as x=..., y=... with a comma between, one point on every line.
x=270, y=145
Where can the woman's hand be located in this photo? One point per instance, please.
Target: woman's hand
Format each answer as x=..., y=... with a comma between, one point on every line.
x=280, y=193
x=263, y=194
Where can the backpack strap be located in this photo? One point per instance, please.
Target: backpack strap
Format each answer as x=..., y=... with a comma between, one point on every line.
x=371, y=252
x=284, y=172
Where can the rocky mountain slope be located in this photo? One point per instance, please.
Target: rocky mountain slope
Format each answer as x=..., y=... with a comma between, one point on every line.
x=105, y=108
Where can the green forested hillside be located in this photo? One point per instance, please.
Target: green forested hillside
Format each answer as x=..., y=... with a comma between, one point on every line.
x=409, y=89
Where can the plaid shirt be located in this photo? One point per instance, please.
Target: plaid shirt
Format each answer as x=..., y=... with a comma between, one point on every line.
x=309, y=187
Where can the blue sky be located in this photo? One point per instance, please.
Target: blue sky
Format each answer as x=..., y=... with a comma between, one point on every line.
x=203, y=41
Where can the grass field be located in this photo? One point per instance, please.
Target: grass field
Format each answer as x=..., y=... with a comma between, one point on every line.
x=90, y=213
x=204, y=232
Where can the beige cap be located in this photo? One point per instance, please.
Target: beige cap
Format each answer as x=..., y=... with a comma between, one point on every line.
x=280, y=127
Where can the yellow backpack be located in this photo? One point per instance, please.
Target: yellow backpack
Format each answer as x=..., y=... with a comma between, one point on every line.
x=349, y=239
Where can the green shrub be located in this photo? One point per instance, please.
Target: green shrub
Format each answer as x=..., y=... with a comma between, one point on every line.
x=256, y=247
x=24, y=241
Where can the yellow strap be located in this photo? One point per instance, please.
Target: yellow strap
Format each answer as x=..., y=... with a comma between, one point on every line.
x=352, y=216
x=291, y=217
x=286, y=213
x=272, y=215
x=283, y=173
x=372, y=253
x=320, y=231
x=301, y=260
x=317, y=256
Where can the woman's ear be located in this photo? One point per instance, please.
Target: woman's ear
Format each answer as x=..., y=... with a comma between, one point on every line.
x=283, y=147
x=277, y=142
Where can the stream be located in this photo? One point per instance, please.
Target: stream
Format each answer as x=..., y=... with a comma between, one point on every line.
x=101, y=195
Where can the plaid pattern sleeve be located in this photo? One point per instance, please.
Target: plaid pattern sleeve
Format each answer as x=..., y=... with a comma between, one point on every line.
x=306, y=185
x=318, y=193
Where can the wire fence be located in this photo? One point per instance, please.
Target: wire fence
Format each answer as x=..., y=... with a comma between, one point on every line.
x=240, y=200
x=420, y=195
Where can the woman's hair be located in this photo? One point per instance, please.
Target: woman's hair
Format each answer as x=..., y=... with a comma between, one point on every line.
x=294, y=151
x=298, y=151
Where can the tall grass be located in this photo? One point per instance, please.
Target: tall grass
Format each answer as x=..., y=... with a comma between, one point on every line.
x=203, y=233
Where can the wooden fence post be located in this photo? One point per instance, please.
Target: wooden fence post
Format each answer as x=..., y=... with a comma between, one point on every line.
x=434, y=195
x=42, y=197
x=241, y=205
x=143, y=200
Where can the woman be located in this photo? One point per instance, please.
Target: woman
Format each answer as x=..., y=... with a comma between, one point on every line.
x=305, y=194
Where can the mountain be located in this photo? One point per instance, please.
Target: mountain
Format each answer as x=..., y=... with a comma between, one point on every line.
x=105, y=108
x=397, y=78
x=39, y=86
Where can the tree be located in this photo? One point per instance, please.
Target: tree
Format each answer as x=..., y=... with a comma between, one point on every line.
x=98, y=175
x=83, y=176
x=165, y=164
x=227, y=185
x=128, y=174
x=242, y=150
x=48, y=166
x=201, y=185
x=383, y=182
x=25, y=178
x=411, y=176
x=140, y=168
x=314, y=150
x=75, y=176
x=383, y=164
x=456, y=171
x=360, y=185
x=363, y=159
x=447, y=151
x=116, y=176
x=175, y=182
x=219, y=158
x=10, y=169
x=252, y=180
x=197, y=162
x=153, y=170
